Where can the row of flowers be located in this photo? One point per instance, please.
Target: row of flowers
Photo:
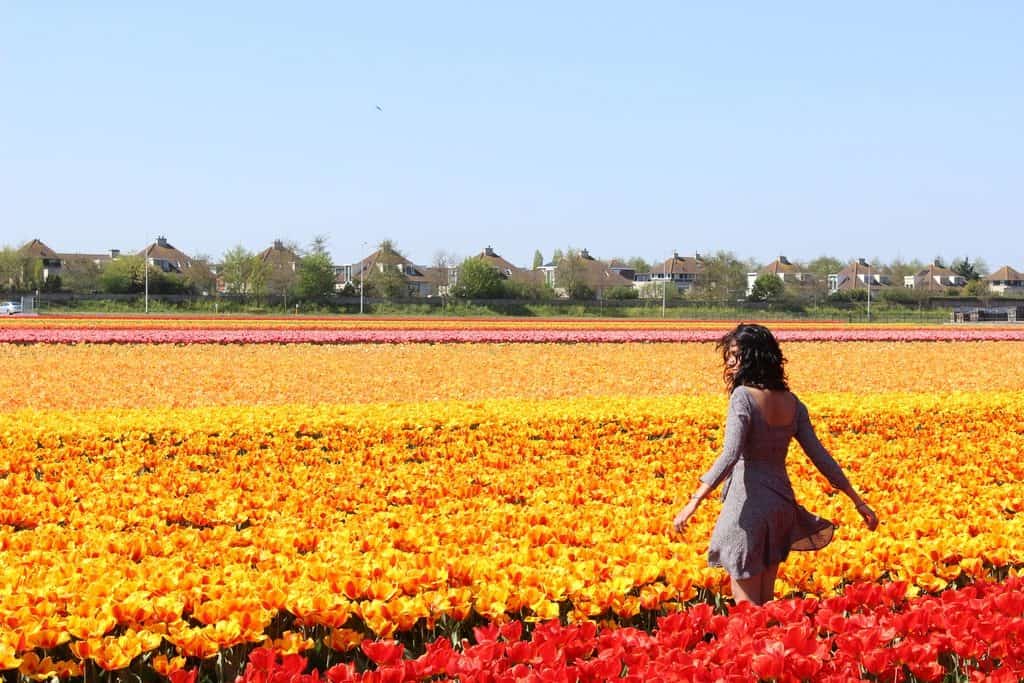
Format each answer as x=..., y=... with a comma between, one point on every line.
x=80, y=335
x=125, y=376
x=870, y=632
x=155, y=321
x=204, y=528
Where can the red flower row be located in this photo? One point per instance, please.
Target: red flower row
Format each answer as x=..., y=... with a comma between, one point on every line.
x=430, y=336
x=871, y=631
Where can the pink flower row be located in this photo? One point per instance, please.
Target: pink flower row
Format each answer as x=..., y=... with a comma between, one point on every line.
x=871, y=631
x=478, y=336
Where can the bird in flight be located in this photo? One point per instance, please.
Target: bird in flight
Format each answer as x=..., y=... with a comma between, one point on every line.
x=380, y=108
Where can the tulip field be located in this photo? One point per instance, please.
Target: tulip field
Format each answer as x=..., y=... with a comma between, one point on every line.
x=490, y=500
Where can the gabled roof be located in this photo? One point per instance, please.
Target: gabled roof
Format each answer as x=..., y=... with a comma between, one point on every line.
x=780, y=265
x=597, y=275
x=1006, y=273
x=387, y=257
x=95, y=258
x=936, y=271
x=491, y=258
x=679, y=265
x=166, y=253
x=279, y=256
x=850, y=276
x=37, y=249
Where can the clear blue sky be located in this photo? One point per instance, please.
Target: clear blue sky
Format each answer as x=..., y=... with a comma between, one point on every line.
x=875, y=129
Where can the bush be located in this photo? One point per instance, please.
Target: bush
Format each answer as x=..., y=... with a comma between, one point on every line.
x=621, y=293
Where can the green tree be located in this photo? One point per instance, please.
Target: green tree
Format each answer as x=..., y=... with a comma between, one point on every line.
x=723, y=278
x=236, y=270
x=976, y=288
x=538, y=259
x=969, y=271
x=387, y=281
x=478, y=280
x=123, y=275
x=823, y=266
x=570, y=275
x=638, y=264
x=81, y=276
x=12, y=268
x=767, y=287
x=622, y=293
x=315, y=276
x=259, y=272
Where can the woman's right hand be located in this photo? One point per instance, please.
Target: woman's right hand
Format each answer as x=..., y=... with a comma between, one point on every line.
x=868, y=515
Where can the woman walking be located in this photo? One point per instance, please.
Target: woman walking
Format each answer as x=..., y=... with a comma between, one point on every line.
x=760, y=521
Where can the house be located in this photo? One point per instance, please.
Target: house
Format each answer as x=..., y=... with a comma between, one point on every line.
x=40, y=255
x=169, y=259
x=53, y=266
x=420, y=281
x=857, y=275
x=282, y=267
x=782, y=268
x=581, y=269
x=1005, y=281
x=934, y=278
x=491, y=258
x=681, y=271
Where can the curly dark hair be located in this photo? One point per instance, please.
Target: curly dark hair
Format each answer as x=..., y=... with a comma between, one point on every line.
x=761, y=360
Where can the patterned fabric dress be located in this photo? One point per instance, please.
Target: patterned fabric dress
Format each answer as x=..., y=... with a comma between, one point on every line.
x=760, y=520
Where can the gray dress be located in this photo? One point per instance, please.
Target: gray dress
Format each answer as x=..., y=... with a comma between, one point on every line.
x=760, y=520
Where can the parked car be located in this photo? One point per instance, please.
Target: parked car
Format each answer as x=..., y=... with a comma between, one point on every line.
x=10, y=307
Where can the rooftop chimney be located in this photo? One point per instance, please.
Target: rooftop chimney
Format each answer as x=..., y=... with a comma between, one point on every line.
x=161, y=241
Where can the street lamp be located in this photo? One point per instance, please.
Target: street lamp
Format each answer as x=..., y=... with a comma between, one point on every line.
x=362, y=275
x=869, y=291
x=664, y=285
x=145, y=271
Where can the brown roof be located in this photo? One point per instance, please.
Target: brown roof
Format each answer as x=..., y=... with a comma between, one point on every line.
x=177, y=260
x=1006, y=273
x=37, y=249
x=678, y=265
x=491, y=258
x=934, y=270
x=849, y=277
x=95, y=258
x=780, y=265
x=279, y=257
x=598, y=275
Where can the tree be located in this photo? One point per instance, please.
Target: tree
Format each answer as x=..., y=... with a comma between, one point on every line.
x=638, y=264
x=900, y=269
x=963, y=267
x=236, y=270
x=622, y=293
x=318, y=245
x=570, y=275
x=767, y=287
x=315, y=277
x=124, y=275
x=723, y=278
x=478, y=280
x=538, y=259
x=823, y=266
x=440, y=268
x=259, y=272
x=12, y=268
x=387, y=281
x=976, y=288
x=81, y=275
